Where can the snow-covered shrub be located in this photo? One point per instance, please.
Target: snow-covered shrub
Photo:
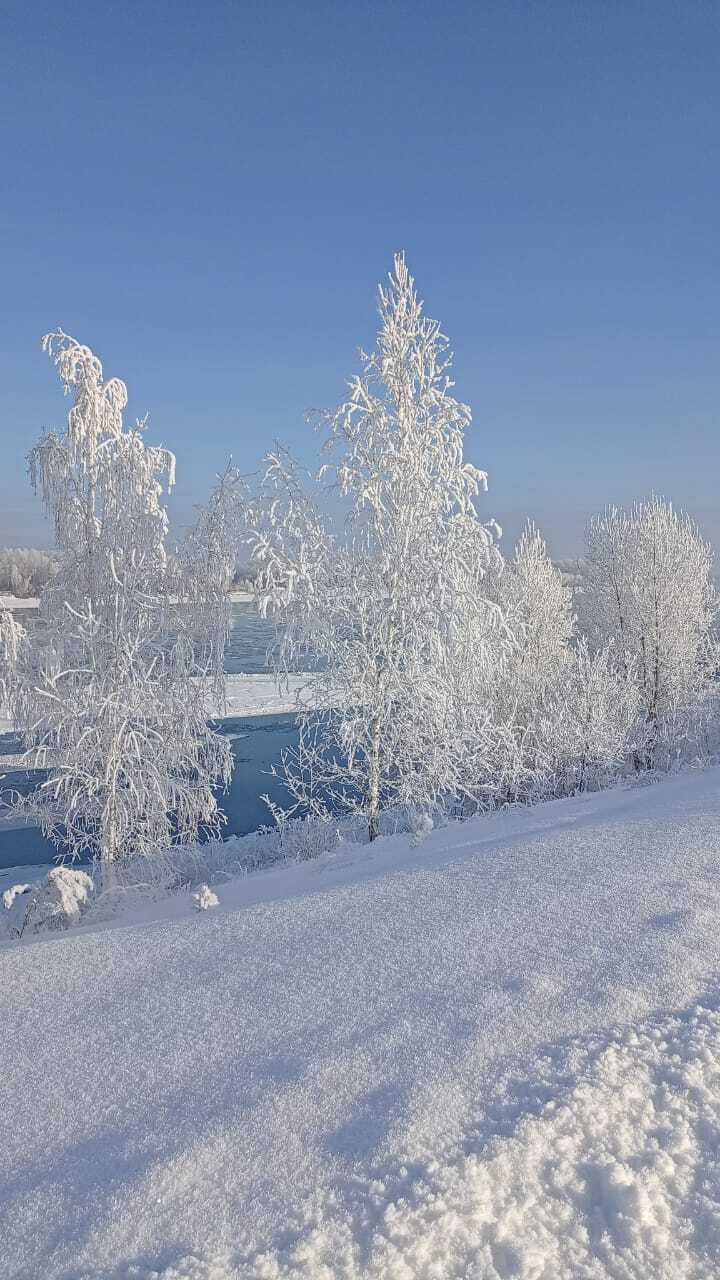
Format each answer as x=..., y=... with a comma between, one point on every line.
x=204, y=899
x=11, y=895
x=422, y=826
x=53, y=903
x=299, y=839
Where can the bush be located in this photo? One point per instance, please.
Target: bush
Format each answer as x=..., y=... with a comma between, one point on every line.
x=52, y=903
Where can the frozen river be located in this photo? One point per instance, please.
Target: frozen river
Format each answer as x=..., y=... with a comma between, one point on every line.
x=257, y=742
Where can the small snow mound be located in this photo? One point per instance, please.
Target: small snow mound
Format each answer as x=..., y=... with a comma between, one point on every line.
x=15, y=891
x=421, y=827
x=204, y=898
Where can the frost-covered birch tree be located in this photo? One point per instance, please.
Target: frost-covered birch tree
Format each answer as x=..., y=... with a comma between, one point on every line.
x=537, y=606
x=393, y=612
x=648, y=588
x=564, y=715
x=12, y=646
x=204, y=570
x=106, y=694
x=595, y=721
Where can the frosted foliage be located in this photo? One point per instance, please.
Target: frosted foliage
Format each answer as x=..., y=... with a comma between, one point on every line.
x=564, y=716
x=106, y=697
x=537, y=605
x=12, y=643
x=649, y=590
x=396, y=614
x=15, y=891
x=205, y=572
x=595, y=720
x=53, y=903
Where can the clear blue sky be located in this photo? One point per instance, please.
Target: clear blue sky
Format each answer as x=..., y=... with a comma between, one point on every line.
x=208, y=194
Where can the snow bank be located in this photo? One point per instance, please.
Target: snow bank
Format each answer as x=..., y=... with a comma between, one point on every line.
x=493, y=1055
x=246, y=695
x=33, y=602
x=19, y=602
x=254, y=695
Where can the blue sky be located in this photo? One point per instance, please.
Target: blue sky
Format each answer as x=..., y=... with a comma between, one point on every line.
x=208, y=194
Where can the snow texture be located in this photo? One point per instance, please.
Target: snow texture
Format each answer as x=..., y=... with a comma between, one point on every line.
x=253, y=695
x=493, y=1055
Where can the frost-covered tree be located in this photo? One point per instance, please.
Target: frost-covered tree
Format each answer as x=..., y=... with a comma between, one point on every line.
x=591, y=722
x=564, y=716
x=648, y=589
x=12, y=646
x=204, y=571
x=395, y=614
x=106, y=695
x=537, y=604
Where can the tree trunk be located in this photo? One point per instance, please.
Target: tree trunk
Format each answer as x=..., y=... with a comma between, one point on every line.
x=374, y=781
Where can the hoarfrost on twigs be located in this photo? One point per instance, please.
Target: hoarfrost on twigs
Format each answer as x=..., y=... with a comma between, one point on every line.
x=111, y=696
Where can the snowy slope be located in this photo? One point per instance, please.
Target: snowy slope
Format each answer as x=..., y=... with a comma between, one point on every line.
x=495, y=1055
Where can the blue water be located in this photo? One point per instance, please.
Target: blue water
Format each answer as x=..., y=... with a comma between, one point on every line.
x=250, y=641
x=257, y=743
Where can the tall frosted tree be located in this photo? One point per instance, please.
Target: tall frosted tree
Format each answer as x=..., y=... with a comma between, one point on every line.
x=106, y=694
x=394, y=611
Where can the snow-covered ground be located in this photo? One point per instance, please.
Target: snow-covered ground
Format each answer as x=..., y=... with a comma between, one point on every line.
x=256, y=695
x=32, y=602
x=495, y=1054
x=19, y=602
x=246, y=695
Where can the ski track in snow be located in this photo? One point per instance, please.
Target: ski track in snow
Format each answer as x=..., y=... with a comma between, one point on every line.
x=495, y=1055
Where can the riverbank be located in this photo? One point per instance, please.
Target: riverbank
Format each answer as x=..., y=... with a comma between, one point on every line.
x=245, y=695
x=32, y=602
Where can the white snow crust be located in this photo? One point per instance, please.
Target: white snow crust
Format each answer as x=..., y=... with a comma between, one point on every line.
x=495, y=1054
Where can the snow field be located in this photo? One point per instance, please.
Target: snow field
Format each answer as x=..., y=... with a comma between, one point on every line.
x=493, y=1055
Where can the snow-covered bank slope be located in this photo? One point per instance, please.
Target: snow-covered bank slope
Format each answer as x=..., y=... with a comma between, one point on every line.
x=245, y=695
x=496, y=1055
x=257, y=695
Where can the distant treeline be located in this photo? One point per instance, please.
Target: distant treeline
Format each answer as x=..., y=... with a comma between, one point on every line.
x=24, y=571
